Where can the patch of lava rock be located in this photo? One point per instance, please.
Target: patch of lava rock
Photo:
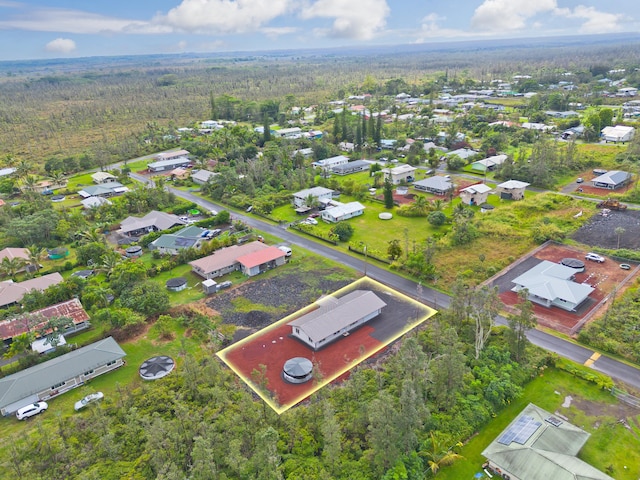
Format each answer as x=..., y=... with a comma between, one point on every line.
x=600, y=230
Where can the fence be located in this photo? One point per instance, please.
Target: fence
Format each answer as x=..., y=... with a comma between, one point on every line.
x=625, y=397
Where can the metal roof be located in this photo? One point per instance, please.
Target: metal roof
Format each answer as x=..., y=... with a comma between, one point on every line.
x=154, y=218
x=11, y=292
x=60, y=369
x=315, y=191
x=343, y=209
x=225, y=257
x=513, y=184
x=255, y=259
x=613, y=177
x=478, y=188
x=332, y=316
x=548, y=453
x=550, y=281
x=438, y=182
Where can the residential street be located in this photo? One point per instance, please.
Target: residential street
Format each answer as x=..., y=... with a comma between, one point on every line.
x=429, y=296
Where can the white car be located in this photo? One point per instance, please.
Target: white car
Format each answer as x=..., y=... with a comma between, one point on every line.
x=311, y=221
x=31, y=410
x=594, y=257
x=91, y=398
x=285, y=249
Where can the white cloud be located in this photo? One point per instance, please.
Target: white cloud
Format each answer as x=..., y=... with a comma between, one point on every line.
x=509, y=15
x=596, y=21
x=357, y=19
x=61, y=45
x=274, y=32
x=430, y=29
x=223, y=16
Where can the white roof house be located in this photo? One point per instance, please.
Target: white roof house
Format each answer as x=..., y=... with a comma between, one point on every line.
x=475, y=194
x=336, y=317
x=612, y=179
x=343, y=211
x=153, y=221
x=463, y=153
x=401, y=173
x=318, y=193
x=619, y=133
x=512, y=189
x=438, y=185
x=329, y=163
x=551, y=285
x=489, y=163
x=202, y=176
x=103, y=177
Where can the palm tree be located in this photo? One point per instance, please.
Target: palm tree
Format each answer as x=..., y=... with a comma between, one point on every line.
x=619, y=232
x=421, y=205
x=58, y=179
x=10, y=266
x=92, y=235
x=109, y=262
x=437, y=455
x=35, y=254
x=438, y=205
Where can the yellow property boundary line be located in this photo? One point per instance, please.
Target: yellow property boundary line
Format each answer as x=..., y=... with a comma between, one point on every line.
x=423, y=313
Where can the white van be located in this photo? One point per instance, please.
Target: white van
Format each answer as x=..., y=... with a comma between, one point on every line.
x=286, y=250
x=31, y=410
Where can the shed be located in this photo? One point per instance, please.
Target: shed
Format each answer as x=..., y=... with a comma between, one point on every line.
x=176, y=284
x=209, y=286
x=475, y=194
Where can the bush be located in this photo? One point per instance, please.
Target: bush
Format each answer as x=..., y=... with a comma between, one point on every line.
x=343, y=230
x=436, y=218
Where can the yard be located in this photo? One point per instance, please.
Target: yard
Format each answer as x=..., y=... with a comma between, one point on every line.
x=613, y=447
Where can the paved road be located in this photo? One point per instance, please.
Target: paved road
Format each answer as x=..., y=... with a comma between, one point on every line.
x=433, y=298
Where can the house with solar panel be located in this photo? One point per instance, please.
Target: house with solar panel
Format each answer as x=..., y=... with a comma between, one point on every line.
x=537, y=445
x=551, y=285
x=336, y=317
x=59, y=375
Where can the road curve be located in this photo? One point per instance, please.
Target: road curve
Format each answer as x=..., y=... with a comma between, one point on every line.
x=435, y=299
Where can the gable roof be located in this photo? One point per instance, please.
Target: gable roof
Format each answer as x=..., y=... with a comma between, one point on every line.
x=315, y=191
x=548, y=453
x=102, y=189
x=19, y=325
x=344, y=209
x=513, y=184
x=37, y=378
x=203, y=175
x=399, y=170
x=154, y=218
x=226, y=256
x=94, y=202
x=13, y=252
x=489, y=162
x=334, y=314
x=11, y=292
x=100, y=177
x=478, y=188
x=551, y=281
x=435, y=183
x=613, y=177
x=260, y=257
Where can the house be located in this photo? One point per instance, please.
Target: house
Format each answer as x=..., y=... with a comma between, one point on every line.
x=35, y=321
x=173, y=243
x=437, y=185
x=12, y=292
x=94, y=202
x=627, y=92
x=619, y=133
x=351, y=167
x=388, y=144
x=347, y=146
x=399, y=174
x=612, y=180
x=311, y=195
x=336, y=317
x=254, y=263
x=475, y=194
x=225, y=260
x=463, y=153
x=180, y=173
x=489, y=164
x=172, y=155
x=293, y=132
x=328, y=163
x=538, y=445
x=202, y=176
x=59, y=375
x=512, y=190
x=305, y=152
x=103, y=190
x=342, y=211
x=21, y=253
x=541, y=127
x=551, y=285
x=103, y=177
x=154, y=221
x=169, y=164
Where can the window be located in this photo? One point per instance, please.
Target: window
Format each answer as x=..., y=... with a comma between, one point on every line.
x=58, y=385
x=88, y=373
x=111, y=363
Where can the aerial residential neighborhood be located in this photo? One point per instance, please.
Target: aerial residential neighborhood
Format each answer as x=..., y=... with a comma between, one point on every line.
x=398, y=263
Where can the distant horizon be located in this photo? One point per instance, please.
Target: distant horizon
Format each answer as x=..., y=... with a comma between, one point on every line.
x=448, y=44
x=48, y=29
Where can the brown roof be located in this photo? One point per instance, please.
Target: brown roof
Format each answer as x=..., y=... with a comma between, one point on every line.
x=13, y=292
x=17, y=326
x=10, y=252
x=226, y=257
x=262, y=256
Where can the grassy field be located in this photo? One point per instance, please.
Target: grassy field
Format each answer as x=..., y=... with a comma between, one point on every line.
x=611, y=444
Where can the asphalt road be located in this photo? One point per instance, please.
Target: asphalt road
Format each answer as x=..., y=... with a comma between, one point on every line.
x=435, y=299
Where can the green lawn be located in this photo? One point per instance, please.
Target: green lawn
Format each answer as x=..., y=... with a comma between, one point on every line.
x=610, y=443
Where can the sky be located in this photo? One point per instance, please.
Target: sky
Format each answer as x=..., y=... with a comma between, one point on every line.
x=79, y=28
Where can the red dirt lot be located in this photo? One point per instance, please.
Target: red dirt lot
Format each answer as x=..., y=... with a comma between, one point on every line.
x=604, y=277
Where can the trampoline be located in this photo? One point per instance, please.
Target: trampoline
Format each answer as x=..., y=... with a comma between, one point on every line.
x=176, y=284
x=297, y=370
x=156, y=367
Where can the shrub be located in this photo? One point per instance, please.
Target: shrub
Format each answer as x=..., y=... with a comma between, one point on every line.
x=436, y=218
x=343, y=230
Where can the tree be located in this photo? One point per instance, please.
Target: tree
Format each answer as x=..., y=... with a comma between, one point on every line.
x=437, y=453
x=343, y=230
x=484, y=306
x=20, y=344
x=520, y=323
x=619, y=232
x=394, y=250
x=384, y=436
x=35, y=254
x=436, y=219
x=148, y=298
x=388, y=194
x=10, y=266
x=266, y=460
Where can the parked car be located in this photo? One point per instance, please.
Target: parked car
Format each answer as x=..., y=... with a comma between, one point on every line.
x=594, y=257
x=31, y=410
x=286, y=250
x=311, y=221
x=222, y=285
x=91, y=398
x=625, y=266
x=580, y=180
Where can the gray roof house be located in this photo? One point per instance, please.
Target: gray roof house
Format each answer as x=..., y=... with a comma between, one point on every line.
x=512, y=189
x=612, y=180
x=336, y=317
x=318, y=193
x=11, y=292
x=537, y=445
x=342, y=211
x=202, y=176
x=154, y=221
x=437, y=185
x=329, y=163
x=103, y=190
x=351, y=167
x=172, y=243
x=475, y=194
x=551, y=285
x=489, y=163
x=168, y=164
x=463, y=153
x=52, y=378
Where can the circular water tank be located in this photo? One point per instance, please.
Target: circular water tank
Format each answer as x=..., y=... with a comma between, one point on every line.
x=297, y=370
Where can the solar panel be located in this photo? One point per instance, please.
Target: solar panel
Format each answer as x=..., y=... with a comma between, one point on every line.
x=520, y=431
x=556, y=422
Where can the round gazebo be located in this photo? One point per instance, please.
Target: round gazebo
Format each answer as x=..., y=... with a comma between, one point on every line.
x=156, y=367
x=176, y=284
x=297, y=370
